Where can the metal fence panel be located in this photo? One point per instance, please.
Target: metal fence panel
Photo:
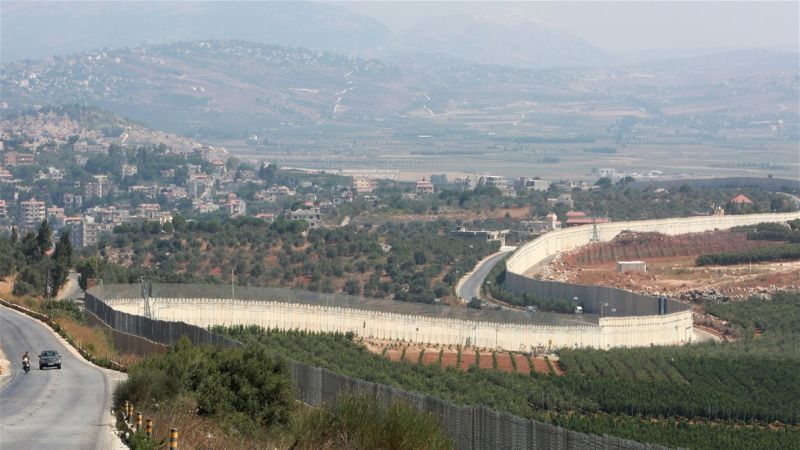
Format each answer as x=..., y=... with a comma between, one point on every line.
x=471, y=427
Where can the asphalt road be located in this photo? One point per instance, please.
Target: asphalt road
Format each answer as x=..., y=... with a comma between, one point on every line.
x=471, y=284
x=65, y=409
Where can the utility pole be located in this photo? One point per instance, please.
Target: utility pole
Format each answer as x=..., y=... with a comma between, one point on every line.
x=233, y=287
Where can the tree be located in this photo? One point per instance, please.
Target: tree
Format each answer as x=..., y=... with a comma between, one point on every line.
x=28, y=247
x=475, y=302
x=604, y=183
x=62, y=261
x=87, y=268
x=179, y=222
x=44, y=239
x=352, y=287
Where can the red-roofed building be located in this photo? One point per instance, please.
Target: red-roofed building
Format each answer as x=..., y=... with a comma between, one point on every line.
x=575, y=218
x=585, y=221
x=742, y=199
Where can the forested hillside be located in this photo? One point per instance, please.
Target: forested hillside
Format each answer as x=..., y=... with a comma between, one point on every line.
x=408, y=262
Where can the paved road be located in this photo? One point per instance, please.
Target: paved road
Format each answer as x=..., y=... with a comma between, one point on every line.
x=470, y=285
x=72, y=289
x=65, y=408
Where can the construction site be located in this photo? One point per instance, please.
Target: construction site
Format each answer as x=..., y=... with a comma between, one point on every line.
x=671, y=267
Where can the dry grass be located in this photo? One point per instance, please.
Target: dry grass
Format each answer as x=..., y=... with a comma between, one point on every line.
x=93, y=340
x=197, y=432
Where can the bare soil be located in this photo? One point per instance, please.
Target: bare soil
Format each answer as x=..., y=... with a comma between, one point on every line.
x=671, y=267
x=394, y=350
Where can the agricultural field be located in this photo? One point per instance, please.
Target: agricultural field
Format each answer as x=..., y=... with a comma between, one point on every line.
x=742, y=394
x=462, y=358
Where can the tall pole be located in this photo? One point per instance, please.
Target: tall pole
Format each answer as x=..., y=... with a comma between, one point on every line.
x=233, y=288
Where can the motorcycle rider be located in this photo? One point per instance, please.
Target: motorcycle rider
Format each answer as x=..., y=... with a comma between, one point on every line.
x=26, y=360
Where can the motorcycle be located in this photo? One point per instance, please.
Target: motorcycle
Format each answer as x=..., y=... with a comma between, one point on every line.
x=26, y=365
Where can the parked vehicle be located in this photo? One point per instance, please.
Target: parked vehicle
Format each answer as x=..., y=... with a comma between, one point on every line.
x=49, y=358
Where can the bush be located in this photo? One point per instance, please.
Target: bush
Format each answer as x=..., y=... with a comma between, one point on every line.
x=242, y=387
x=360, y=421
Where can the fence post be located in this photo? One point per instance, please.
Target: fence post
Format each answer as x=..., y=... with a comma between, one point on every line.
x=138, y=421
x=149, y=427
x=125, y=411
x=173, y=438
x=130, y=413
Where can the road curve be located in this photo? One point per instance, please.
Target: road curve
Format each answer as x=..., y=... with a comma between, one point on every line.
x=470, y=285
x=65, y=408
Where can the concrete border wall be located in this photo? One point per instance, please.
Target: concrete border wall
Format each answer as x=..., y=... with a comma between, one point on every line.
x=610, y=331
x=471, y=427
x=635, y=318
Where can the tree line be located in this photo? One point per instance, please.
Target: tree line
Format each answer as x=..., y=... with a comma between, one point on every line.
x=38, y=270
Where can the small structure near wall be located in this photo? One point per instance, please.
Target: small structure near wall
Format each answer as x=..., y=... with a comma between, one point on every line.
x=631, y=266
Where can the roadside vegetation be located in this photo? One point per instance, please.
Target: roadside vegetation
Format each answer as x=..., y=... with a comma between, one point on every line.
x=221, y=398
x=37, y=270
x=31, y=276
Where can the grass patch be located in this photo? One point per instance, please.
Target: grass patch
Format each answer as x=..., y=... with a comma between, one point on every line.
x=361, y=422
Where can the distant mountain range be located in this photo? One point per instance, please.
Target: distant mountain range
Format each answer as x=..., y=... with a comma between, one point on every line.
x=232, y=88
x=510, y=42
x=67, y=27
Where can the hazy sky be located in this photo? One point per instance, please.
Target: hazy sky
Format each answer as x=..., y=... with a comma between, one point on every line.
x=626, y=26
x=639, y=30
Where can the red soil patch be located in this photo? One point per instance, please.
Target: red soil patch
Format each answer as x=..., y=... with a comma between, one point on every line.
x=431, y=356
x=412, y=355
x=486, y=361
x=467, y=359
x=393, y=354
x=522, y=364
x=504, y=362
x=540, y=365
x=449, y=359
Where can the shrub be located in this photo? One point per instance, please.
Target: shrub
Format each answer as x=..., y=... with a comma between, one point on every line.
x=360, y=421
x=243, y=387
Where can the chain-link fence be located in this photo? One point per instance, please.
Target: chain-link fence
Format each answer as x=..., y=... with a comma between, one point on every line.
x=471, y=427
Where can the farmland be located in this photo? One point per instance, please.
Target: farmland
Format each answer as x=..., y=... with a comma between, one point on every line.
x=461, y=358
x=745, y=393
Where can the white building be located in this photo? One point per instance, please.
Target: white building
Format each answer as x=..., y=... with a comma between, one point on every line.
x=32, y=212
x=311, y=215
